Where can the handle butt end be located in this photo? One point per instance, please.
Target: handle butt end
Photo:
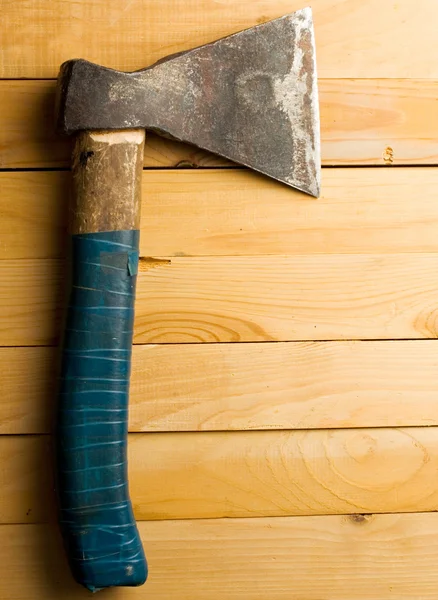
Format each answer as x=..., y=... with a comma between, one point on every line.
x=105, y=557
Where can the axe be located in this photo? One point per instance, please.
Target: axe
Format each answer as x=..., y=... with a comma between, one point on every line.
x=252, y=98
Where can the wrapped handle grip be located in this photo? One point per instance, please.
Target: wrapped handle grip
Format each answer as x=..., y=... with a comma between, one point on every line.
x=96, y=518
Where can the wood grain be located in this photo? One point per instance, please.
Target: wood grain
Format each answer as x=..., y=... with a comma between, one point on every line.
x=266, y=298
x=267, y=264
x=243, y=299
x=28, y=377
x=235, y=212
x=246, y=474
x=107, y=170
x=30, y=301
x=381, y=557
x=38, y=35
x=208, y=387
x=363, y=121
x=25, y=479
x=379, y=122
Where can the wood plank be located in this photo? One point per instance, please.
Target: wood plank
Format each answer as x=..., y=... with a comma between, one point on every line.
x=378, y=121
x=38, y=35
x=214, y=387
x=243, y=299
x=263, y=298
x=247, y=474
x=28, y=389
x=363, y=121
x=381, y=557
x=235, y=212
x=30, y=308
x=25, y=479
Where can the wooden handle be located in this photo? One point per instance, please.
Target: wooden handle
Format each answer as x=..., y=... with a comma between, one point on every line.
x=96, y=518
x=107, y=168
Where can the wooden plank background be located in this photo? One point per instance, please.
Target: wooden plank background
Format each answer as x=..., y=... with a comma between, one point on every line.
x=246, y=474
x=217, y=387
x=351, y=556
x=363, y=122
x=286, y=356
x=356, y=39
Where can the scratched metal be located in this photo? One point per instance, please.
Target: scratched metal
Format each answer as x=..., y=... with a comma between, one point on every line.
x=251, y=97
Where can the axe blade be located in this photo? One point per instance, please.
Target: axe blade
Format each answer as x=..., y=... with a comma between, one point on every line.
x=251, y=97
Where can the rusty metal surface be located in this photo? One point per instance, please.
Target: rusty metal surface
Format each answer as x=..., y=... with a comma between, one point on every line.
x=251, y=97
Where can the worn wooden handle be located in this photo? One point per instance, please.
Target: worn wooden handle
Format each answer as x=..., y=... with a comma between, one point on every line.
x=96, y=517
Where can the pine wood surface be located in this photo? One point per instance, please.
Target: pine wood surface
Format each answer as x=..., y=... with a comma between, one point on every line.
x=246, y=474
x=355, y=38
x=221, y=387
x=283, y=420
x=238, y=213
x=352, y=557
x=363, y=122
x=243, y=299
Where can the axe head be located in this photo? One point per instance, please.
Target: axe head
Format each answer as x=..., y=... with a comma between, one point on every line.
x=251, y=97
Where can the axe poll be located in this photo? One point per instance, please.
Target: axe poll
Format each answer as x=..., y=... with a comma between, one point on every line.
x=252, y=98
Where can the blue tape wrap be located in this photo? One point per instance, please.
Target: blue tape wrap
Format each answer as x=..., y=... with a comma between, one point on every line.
x=96, y=517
